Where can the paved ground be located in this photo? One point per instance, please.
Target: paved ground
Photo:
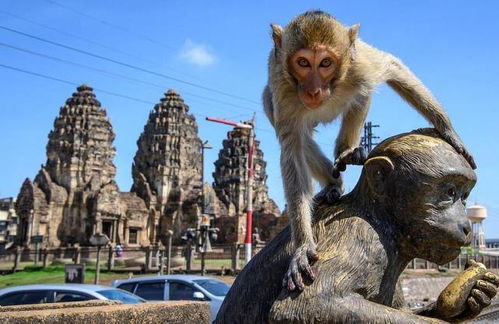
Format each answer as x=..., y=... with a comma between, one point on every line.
x=490, y=314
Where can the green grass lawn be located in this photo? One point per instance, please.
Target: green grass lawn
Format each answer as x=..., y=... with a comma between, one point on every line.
x=214, y=264
x=52, y=274
x=55, y=273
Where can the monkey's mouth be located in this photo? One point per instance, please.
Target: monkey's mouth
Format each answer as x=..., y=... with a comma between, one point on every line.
x=312, y=105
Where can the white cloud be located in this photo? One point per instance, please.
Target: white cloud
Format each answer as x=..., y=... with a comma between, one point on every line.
x=196, y=54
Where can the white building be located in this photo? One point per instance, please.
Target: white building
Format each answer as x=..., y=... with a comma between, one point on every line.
x=8, y=222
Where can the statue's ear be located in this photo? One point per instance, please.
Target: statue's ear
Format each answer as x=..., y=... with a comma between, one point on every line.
x=377, y=170
x=276, y=35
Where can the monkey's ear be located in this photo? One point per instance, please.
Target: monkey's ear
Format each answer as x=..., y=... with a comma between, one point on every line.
x=377, y=170
x=276, y=35
x=353, y=33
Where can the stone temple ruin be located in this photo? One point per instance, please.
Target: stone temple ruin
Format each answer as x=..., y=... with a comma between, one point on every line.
x=74, y=195
x=230, y=187
x=166, y=169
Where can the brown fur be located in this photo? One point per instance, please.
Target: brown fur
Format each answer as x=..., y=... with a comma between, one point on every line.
x=361, y=68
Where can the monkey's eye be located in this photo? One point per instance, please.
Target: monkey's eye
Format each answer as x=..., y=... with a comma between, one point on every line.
x=303, y=62
x=326, y=62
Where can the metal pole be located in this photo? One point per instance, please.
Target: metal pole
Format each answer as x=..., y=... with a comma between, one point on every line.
x=161, y=262
x=202, y=178
x=37, y=252
x=97, y=266
x=203, y=241
x=203, y=265
x=249, y=191
x=169, y=254
x=188, y=266
x=17, y=259
x=369, y=136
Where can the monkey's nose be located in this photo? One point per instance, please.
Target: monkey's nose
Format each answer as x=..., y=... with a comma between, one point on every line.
x=314, y=92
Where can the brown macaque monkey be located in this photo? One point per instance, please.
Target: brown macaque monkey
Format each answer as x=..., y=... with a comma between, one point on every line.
x=319, y=70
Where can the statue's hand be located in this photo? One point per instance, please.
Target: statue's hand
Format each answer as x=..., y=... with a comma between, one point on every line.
x=468, y=294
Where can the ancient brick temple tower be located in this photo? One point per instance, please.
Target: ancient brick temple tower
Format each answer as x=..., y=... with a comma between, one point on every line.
x=230, y=187
x=80, y=151
x=166, y=170
x=74, y=195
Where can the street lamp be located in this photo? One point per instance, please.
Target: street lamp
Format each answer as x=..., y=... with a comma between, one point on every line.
x=200, y=237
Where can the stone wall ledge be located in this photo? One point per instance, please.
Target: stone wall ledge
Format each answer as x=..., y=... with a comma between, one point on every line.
x=32, y=307
x=94, y=312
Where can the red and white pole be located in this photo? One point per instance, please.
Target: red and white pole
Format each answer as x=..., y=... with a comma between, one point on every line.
x=249, y=189
x=249, y=200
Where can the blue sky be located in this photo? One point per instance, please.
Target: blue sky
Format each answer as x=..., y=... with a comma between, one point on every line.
x=451, y=45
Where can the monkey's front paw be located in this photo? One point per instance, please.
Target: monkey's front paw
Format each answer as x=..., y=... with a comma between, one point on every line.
x=304, y=256
x=329, y=194
x=353, y=156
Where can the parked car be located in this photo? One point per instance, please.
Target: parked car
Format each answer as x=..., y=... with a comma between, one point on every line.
x=59, y=293
x=178, y=287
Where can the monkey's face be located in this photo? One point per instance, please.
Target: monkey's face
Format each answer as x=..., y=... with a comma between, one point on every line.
x=314, y=69
x=438, y=226
x=315, y=51
x=420, y=183
x=433, y=212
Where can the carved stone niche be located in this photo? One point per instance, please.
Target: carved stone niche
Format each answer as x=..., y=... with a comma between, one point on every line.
x=407, y=204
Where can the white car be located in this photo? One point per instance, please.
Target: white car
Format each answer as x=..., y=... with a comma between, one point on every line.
x=178, y=287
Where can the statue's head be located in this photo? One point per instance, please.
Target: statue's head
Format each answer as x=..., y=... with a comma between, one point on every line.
x=420, y=183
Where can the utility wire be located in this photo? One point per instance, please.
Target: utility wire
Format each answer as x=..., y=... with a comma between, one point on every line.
x=134, y=67
x=44, y=76
x=112, y=93
x=69, y=34
x=118, y=75
x=90, y=41
x=48, y=77
x=128, y=31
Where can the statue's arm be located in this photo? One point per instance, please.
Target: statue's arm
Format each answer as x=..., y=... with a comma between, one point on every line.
x=400, y=304
x=466, y=296
x=330, y=309
x=398, y=297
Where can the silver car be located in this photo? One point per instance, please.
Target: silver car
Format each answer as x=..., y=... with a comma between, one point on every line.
x=59, y=293
x=178, y=287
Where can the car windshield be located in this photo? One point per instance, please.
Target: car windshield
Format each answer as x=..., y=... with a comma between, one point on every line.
x=214, y=287
x=122, y=296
